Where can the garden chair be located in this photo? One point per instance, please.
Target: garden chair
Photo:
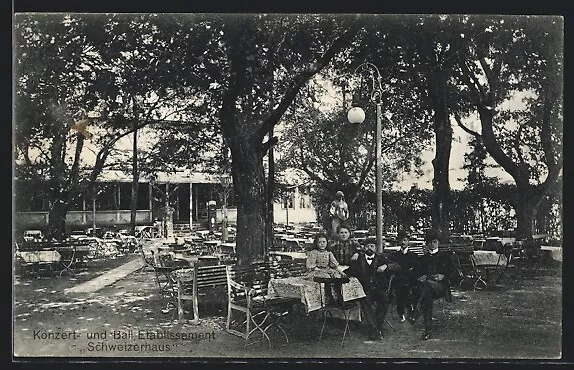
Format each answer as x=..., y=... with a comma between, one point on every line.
x=247, y=294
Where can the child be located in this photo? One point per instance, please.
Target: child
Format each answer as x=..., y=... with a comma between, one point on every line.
x=321, y=262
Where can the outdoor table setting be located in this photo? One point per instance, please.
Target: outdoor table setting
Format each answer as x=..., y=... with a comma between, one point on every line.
x=189, y=258
x=228, y=247
x=554, y=252
x=40, y=256
x=294, y=244
x=490, y=261
x=309, y=292
x=360, y=233
x=291, y=255
x=202, y=233
x=35, y=259
x=490, y=258
x=191, y=239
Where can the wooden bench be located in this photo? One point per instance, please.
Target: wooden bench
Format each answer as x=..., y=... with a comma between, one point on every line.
x=458, y=249
x=195, y=281
x=247, y=294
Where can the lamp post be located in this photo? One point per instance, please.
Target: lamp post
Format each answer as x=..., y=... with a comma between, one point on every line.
x=356, y=115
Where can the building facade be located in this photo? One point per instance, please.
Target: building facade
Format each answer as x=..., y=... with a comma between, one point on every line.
x=188, y=193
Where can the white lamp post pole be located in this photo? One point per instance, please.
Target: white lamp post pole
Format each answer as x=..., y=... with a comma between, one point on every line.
x=379, y=182
x=357, y=115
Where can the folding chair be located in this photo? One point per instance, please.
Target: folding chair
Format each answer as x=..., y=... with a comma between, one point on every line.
x=250, y=298
x=464, y=267
x=334, y=285
x=146, y=261
x=477, y=272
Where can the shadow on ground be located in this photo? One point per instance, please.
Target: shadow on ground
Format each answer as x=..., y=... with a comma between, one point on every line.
x=518, y=318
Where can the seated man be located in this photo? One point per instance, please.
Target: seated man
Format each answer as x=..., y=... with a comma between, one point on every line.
x=434, y=274
x=370, y=269
x=404, y=281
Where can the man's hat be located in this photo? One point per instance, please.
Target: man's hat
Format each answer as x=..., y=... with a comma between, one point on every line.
x=431, y=235
x=402, y=234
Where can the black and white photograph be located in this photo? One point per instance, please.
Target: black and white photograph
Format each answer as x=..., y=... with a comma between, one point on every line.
x=287, y=186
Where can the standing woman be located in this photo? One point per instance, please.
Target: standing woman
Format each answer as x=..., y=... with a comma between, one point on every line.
x=339, y=212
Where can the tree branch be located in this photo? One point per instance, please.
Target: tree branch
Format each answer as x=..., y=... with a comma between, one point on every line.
x=312, y=175
x=471, y=81
x=366, y=169
x=517, y=144
x=546, y=133
x=302, y=79
x=466, y=129
x=268, y=145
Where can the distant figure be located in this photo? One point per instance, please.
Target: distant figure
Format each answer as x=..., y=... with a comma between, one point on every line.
x=169, y=210
x=339, y=212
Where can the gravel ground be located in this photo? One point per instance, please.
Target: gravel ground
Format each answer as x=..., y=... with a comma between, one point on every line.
x=520, y=318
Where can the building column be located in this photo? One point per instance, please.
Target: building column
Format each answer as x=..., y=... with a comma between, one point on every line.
x=296, y=198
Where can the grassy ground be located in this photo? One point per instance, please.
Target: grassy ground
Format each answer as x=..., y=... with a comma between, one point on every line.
x=519, y=318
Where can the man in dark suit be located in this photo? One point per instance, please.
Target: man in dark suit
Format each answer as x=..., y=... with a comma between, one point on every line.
x=372, y=271
x=405, y=278
x=436, y=270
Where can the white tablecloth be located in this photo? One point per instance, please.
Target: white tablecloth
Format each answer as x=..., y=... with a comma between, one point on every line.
x=489, y=258
x=309, y=291
x=40, y=256
x=555, y=252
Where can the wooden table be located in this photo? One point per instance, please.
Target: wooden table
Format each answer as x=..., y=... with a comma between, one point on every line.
x=488, y=261
x=192, y=239
x=227, y=247
x=212, y=245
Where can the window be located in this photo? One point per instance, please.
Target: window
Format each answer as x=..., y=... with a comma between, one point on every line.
x=304, y=201
x=288, y=199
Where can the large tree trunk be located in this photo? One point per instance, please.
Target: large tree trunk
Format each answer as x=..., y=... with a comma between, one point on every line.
x=249, y=183
x=135, y=177
x=57, y=220
x=525, y=216
x=529, y=197
x=441, y=162
x=270, y=186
